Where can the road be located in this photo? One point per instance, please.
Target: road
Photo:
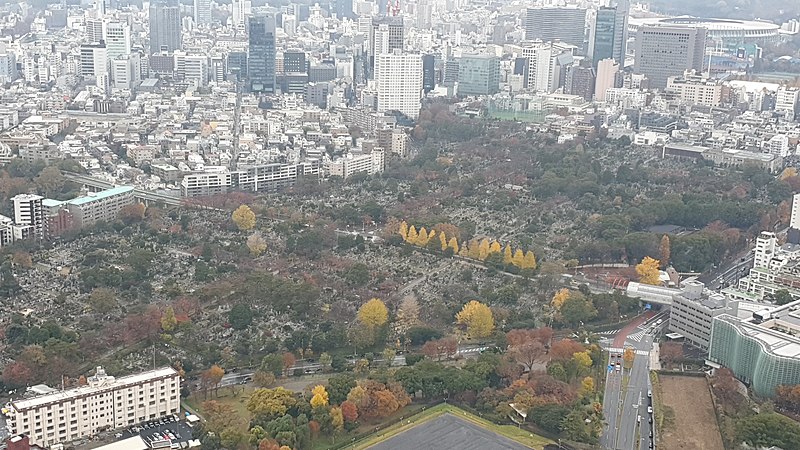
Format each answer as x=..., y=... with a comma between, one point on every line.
x=730, y=273
x=625, y=398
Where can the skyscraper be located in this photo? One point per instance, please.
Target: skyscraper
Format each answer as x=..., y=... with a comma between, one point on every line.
x=665, y=51
x=478, y=75
x=398, y=80
x=261, y=54
x=28, y=210
x=165, y=26
x=117, y=36
x=547, y=62
x=202, y=12
x=607, y=76
x=560, y=23
x=601, y=41
x=428, y=73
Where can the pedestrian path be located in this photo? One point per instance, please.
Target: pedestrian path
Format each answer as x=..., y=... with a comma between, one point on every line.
x=637, y=337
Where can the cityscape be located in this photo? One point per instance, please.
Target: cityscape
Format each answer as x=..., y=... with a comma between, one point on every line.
x=400, y=224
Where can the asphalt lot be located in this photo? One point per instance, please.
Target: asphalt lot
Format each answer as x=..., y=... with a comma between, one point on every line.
x=180, y=430
x=448, y=432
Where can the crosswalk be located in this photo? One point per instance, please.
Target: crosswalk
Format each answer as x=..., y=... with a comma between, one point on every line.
x=610, y=332
x=637, y=336
x=620, y=350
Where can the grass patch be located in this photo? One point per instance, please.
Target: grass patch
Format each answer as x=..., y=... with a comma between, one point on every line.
x=663, y=415
x=510, y=431
x=237, y=401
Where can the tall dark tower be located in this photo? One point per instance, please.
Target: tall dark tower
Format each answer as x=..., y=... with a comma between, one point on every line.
x=165, y=26
x=261, y=54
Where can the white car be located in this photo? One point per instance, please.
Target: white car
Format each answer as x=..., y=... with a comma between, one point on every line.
x=650, y=410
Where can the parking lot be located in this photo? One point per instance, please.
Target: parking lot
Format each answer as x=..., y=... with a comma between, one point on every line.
x=161, y=433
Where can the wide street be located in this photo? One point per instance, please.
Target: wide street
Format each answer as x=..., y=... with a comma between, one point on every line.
x=625, y=398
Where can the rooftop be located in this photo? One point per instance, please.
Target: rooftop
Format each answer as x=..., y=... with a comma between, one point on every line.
x=101, y=195
x=117, y=383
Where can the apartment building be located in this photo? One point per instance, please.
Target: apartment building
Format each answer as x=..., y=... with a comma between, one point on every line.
x=28, y=211
x=695, y=89
x=105, y=403
x=371, y=163
x=215, y=180
x=100, y=206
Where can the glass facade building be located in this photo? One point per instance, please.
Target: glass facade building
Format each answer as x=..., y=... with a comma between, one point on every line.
x=764, y=354
x=261, y=54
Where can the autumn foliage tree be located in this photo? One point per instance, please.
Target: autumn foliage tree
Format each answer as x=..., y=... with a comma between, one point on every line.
x=256, y=244
x=319, y=397
x=211, y=378
x=373, y=314
x=244, y=218
x=664, y=248
x=648, y=271
x=477, y=318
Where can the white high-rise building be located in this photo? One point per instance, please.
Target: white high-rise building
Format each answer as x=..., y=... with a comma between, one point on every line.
x=545, y=61
x=192, y=68
x=794, y=222
x=398, y=81
x=778, y=145
x=117, y=36
x=240, y=11
x=787, y=100
x=202, y=12
x=766, y=244
x=104, y=403
x=126, y=72
x=94, y=60
x=100, y=7
x=93, y=29
x=28, y=210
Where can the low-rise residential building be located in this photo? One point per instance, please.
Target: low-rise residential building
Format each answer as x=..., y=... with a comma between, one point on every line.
x=104, y=403
x=214, y=180
x=370, y=163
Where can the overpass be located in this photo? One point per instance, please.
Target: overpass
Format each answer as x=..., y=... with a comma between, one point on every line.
x=147, y=197
x=647, y=293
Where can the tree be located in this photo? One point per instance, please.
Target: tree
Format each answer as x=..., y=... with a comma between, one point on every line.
x=337, y=419
x=648, y=271
x=483, y=249
x=325, y=360
x=528, y=353
x=407, y=314
x=508, y=255
x=587, y=387
x=563, y=350
x=263, y=378
x=549, y=416
x=17, y=374
x=240, y=316
x=443, y=241
x=244, y=218
x=404, y=230
x=576, y=309
x=769, y=429
x=212, y=377
x=388, y=356
x=453, y=244
x=473, y=250
x=559, y=298
x=412, y=235
x=339, y=386
x=671, y=352
x=373, y=314
x=664, y=250
x=22, y=259
x=319, y=396
x=168, y=320
x=495, y=247
x=288, y=361
x=349, y=411
x=726, y=387
x=270, y=403
x=530, y=261
x=102, y=300
x=132, y=213
x=422, y=238
x=782, y=297
x=256, y=244
x=519, y=259
x=477, y=318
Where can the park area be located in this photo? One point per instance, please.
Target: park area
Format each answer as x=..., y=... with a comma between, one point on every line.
x=689, y=419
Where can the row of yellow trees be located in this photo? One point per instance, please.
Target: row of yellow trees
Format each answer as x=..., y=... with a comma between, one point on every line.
x=474, y=249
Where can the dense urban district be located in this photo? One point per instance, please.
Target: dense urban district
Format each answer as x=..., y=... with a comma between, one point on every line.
x=399, y=225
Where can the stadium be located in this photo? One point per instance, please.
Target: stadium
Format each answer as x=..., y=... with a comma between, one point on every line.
x=728, y=31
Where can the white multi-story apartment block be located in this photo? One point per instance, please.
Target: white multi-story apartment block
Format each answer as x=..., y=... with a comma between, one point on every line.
x=28, y=211
x=398, y=81
x=214, y=180
x=117, y=36
x=787, y=101
x=371, y=163
x=100, y=206
x=104, y=403
x=695, y=89
x=192, y=68
x=545, y=61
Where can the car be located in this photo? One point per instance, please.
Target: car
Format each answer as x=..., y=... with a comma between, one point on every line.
x=638, y=419
x=650, y=419
x=650, y=410
x=650, y=393
x=651, y=444
x=651, y=434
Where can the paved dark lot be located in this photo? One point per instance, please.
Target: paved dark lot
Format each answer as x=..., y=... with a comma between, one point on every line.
x=448, y=432
x=177, y=428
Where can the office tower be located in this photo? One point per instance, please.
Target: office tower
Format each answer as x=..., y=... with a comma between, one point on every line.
x=94, y=30
x=607, y=78
x=126, y=71
x=398, y=80
x=191, y=68
x=424, y=12
x=478, y=75
x=344, y=8
x=787, y=101
x=202, y=12
x=547, y=62
x=294, y=61
x=580, y=80
x=117, y=36
x=237, y=66
x=665, y=51
x=621, y=32
x=8, y=65
x=387, y=35
x=557, y=23
x=165, y=26
x=261, y=54
x=428, y=73
x=240, y=11
x=601, y=40
x=28, y=210
x=93, y=60
x=100, y=7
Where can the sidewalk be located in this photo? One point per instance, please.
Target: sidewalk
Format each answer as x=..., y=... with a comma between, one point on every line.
x=655, y=360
